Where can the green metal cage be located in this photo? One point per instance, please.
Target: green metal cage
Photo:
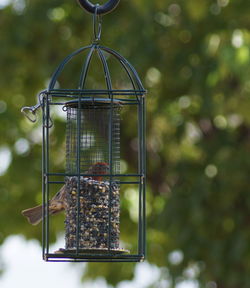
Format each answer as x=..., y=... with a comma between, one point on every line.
x=93, y=133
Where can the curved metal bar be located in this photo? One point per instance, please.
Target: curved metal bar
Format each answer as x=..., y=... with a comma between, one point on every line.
x=62, y=64
x=102, y=9
x=105, y=68
x=129, y=76
x=85, y=68
x=126, y=63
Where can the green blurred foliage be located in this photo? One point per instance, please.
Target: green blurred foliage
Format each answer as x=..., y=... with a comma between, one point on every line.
x=193, y=57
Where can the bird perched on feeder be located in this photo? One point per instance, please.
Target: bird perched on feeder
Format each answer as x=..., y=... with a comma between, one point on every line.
x=58, y=202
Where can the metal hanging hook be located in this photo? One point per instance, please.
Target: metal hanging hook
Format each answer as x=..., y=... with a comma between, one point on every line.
x=97, y=25
x=102, y=9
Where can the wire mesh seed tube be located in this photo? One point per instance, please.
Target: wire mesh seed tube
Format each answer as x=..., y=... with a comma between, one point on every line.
x=94, y=134
x=93, y=209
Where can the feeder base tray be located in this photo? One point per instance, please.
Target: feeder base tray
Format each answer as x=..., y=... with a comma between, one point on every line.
x=92, y=251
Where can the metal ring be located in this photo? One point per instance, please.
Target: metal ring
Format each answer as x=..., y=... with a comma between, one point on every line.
x=102, y=9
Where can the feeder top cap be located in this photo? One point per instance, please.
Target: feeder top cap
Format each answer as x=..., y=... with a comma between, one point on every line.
x=90, y=102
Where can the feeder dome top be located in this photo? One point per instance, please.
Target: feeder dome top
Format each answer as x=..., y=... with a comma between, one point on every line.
x=107, y=57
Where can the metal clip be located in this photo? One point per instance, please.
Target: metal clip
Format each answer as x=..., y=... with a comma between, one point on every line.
x=97, y=25
x=31, y=110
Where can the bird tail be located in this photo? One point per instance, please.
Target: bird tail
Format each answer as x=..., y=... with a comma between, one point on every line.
x=34, y=215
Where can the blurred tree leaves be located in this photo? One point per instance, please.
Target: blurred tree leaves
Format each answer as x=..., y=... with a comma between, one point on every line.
x=193, y=57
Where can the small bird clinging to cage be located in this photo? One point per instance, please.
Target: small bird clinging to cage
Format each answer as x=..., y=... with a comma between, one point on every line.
x=58, y=202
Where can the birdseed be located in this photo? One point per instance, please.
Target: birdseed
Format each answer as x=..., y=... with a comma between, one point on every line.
x=92, y=230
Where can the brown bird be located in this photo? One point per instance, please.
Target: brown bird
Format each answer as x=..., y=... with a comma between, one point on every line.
x=58, y=203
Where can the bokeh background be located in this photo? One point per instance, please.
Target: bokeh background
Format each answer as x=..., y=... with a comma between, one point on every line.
x=193, y=57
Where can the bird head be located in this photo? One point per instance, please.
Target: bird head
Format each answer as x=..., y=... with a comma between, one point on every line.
x=99, y=168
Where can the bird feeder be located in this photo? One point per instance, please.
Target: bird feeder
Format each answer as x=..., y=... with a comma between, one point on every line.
x=93, y=133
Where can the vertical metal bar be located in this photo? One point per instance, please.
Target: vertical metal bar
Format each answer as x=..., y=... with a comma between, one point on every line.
x=43, y=181
x=47, y=115
x=144, y=170
x=78, y=165
x=109, y=86
x=140, y=148
x=81, y=85
x=110, y=169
